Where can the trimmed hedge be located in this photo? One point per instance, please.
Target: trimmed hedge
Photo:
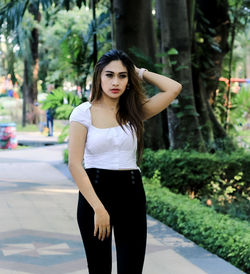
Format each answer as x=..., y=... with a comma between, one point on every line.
x=200, y=174
x=227, y=237
x=66, y=156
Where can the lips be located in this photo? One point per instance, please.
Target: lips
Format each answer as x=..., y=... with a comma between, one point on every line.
x=115, y=90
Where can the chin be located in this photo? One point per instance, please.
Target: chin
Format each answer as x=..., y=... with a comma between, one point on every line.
x=115, y=95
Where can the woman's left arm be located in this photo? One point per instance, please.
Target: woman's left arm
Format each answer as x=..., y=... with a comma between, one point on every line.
x=157, y=103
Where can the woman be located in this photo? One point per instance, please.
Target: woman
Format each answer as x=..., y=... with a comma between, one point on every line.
x=107, y=132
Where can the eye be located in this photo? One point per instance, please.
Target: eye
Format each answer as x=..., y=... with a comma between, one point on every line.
x=109, y=75
x=123, y=76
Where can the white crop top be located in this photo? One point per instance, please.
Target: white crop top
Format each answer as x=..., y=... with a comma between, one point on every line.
x=107, y=148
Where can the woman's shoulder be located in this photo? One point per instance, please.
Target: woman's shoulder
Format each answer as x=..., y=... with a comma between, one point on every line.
x=83, y=106
x=81, y=114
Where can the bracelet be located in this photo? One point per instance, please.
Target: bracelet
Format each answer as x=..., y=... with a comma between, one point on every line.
x=140, y=73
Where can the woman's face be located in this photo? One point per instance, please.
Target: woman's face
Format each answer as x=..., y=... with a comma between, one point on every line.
x=114, y=79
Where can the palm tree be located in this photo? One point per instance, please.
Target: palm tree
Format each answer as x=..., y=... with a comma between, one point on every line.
x=11, y=15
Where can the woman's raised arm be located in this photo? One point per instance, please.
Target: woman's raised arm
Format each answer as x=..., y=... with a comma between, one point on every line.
x=157, y=103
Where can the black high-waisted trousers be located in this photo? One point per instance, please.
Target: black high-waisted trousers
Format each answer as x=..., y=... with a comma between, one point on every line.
x=122, y=193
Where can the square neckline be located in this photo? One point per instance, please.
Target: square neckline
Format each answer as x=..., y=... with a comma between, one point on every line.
x=91, y=124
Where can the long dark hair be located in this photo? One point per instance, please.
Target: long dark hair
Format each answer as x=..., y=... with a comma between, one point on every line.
x=131, y=101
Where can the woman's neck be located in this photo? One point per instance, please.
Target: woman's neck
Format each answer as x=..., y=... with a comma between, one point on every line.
x=111, y=104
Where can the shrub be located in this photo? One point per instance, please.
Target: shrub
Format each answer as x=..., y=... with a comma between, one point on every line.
x=62, y=104
x=200, y=174
x=66, y=156
x=218, y=233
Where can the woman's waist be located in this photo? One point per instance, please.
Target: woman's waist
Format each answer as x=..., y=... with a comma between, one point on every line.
x=112, y=174
x=110, y=152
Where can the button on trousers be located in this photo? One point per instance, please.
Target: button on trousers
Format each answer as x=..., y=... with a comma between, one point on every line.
x=122, y=194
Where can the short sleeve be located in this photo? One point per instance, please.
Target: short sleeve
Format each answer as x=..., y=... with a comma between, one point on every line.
x=81, y=114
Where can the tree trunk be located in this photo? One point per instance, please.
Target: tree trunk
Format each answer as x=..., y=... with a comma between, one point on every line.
x=134, y=26
x=25, y=91
x=113, y=26
x=166, y=70
x=228, y=94
x=184, y=129
x=134, y=29
x=216, y=12
x=208, y=66
x=34, y=40
x=202, y=102
x=95, y=50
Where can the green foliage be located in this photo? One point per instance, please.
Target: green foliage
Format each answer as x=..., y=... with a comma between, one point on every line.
x=77, y=47
x=219, y=107
x=173, y=51
x=239, y=109
x=63, y=134
x=142, y=59
x=62, y=102
x=66, y=156
x=223, y=178
x=12, y=12
x=65, y=48
x=156, y=179
x=206, y=47
x=147, y=62
x=218, y=233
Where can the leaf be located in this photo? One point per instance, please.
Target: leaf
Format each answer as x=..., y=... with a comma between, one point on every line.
x=180, y=114
x=63, y=112
x=212, y=31
x=63, y=134
x=13, y=13
x=181, y=67
x=189, y=107
x=161, y=66
x=216, y=48
x=163, y=54
x=173, y=62
x=46, y=4
x=175, y=105
x=173, y=51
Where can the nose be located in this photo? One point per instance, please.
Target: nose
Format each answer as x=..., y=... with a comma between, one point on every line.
x=115, y=81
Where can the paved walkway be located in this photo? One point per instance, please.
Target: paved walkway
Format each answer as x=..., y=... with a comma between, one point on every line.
x=39, y=232
x=36, y=139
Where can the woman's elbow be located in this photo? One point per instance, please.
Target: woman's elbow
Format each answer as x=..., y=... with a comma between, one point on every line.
x=71, y=166
x=178, y=88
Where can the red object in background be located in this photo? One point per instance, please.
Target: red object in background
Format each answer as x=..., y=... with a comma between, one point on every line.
x=8, y=138
x=239, y=80
x=233, y=80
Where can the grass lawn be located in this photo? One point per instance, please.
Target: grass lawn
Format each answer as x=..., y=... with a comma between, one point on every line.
x=58, y=126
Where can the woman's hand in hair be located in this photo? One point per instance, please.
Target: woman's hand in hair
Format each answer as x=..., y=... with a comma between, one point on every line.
x=102, y=223
x=136, y=69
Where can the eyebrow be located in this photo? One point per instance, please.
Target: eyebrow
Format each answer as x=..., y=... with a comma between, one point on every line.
x=118, y=72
